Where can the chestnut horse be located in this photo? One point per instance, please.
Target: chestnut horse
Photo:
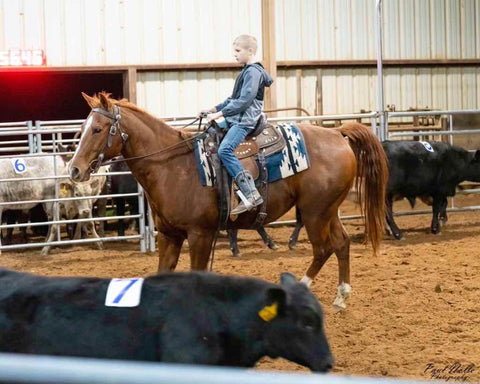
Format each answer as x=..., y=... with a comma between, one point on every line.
x=163, y=161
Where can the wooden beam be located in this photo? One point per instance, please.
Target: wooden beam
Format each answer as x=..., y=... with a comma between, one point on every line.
x=269, y=51
x=130, y=84
x=219, y=66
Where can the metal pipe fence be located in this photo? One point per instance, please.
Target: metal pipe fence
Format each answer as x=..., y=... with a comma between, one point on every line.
x=147, y=233
x=38, y=144
x=67, y=370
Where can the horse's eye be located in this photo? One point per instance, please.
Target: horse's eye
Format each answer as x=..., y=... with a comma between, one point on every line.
x=97, y=130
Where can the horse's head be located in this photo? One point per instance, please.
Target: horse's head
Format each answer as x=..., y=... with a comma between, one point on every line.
x=102, y=137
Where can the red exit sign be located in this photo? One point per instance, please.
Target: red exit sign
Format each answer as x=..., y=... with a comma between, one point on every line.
x=22, y=57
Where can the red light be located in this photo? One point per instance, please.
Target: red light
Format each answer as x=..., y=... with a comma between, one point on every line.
x=22, y=57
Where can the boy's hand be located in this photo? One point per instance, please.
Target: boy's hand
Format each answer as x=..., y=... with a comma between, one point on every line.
x=213, y=116
x=205, y=112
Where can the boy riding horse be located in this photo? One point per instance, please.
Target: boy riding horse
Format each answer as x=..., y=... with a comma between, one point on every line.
x=242, y=111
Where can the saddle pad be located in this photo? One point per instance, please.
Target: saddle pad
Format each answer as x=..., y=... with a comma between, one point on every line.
x=291, y=160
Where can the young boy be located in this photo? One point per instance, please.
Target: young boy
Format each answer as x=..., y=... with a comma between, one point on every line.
x=242, y=111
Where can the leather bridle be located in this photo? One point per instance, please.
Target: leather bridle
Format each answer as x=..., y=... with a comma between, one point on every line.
x=115, y=117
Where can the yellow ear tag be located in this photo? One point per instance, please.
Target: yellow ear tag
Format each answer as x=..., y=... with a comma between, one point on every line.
x=268, y=313
x=63, y=192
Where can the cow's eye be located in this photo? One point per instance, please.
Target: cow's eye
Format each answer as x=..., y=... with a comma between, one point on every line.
x=309, y=321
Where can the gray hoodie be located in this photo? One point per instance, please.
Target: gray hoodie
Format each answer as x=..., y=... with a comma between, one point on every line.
x=246, y=103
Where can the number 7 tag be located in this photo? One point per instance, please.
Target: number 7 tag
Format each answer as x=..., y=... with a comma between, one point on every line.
x=124, y=292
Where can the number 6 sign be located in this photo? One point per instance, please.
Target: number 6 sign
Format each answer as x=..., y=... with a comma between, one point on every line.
x=19, y=166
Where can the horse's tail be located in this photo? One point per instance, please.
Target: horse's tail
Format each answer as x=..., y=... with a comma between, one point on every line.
x=371, y=178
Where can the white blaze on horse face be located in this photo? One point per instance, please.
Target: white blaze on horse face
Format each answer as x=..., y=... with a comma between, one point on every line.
x=88, y=124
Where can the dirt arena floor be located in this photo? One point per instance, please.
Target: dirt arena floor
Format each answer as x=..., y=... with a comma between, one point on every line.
x=414, y=311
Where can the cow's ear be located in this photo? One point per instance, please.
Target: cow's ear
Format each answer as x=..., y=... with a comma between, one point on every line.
x=288, y=279
x=274, y=304
x=66, y=189
x=477, y=155
x=65, y=157
x=95, y=182
x=90, y=100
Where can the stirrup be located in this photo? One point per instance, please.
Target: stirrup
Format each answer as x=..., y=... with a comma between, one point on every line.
x=247, y=205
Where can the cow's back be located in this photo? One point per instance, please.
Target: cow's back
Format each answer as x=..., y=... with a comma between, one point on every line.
x=36, y=189
x=68, y=316
x=416, y=171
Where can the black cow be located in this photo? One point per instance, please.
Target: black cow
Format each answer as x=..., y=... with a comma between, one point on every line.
x=123, y=184
x=35, y=214
x=194, y=318
x=430, y=171
x=233, y=240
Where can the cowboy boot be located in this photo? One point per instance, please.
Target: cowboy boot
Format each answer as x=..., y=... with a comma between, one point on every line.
x=246, y=184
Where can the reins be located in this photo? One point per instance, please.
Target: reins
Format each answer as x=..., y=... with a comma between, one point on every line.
x=171, y=147
x=115, y=117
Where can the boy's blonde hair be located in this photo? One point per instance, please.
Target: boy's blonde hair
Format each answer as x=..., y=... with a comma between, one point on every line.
x=246, y=42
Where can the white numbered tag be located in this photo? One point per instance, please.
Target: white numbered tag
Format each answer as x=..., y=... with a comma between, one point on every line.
x=427, y=146
x=124, y=292
x=19, y=165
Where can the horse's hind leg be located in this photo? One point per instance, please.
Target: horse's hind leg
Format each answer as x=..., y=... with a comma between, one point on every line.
x=341, y=246
x=327, y=238
x=169, y=248
x=318, y=234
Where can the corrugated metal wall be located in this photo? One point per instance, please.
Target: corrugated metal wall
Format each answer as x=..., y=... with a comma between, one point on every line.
x=344, y=90
x=344, y=29
x=110, y=32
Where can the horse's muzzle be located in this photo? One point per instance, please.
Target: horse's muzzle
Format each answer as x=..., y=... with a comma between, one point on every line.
x=75, y=174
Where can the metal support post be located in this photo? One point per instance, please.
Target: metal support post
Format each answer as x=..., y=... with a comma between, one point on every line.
x=38, y=127
x=151, y=226
x=30, y=137
x=378, y=31
x=141, y=223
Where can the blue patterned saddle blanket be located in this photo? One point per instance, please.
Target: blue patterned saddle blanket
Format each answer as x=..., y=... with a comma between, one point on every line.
x=286, y=157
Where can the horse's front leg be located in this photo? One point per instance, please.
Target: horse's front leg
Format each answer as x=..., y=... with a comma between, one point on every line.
x=200, y=244
x=169, y=247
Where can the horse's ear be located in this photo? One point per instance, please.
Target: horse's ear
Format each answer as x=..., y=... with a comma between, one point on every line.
x=89, y=100
x=104, y=102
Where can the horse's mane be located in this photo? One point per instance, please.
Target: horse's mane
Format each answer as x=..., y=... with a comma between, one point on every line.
x=121, y=103
x=96, y=102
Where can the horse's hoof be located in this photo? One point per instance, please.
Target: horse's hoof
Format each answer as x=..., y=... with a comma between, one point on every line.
x=44, y=252
x=337, y=309
x=292, y=246
x=100, y=246
x=273, y=246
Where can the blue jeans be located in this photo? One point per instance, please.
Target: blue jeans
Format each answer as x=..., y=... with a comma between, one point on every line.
x=226, y=151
